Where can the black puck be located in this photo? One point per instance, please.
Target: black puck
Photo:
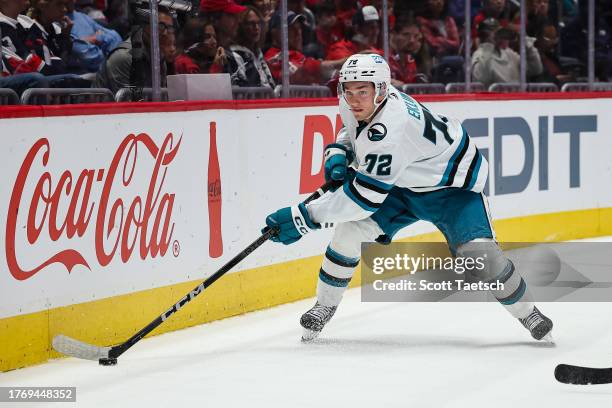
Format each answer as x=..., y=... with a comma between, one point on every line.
x=108, y=361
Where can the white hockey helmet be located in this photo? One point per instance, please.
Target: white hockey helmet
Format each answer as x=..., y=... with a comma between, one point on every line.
x=367, y=68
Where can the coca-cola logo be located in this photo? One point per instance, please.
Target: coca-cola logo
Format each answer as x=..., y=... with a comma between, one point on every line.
x=143, y=226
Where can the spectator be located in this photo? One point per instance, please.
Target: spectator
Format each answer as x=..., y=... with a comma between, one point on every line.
x=490, y=9
x=345, y=10
x=574, y=38
x=378, y=4
x=410, y=61
x=201, y=53
x=19, y=67
x=129, y=65
x=309, y=25
x=266, y=10
x=302, y=70
x=546, y=43
x=117, y=16
x=537, y=16
x=88, y=7
x=253, y=69
x=20, y=82
x=92, y=43
x=329, y=29
x=494, y=60
x=48, y=33
x=264, y=7
x=365, y=39
x=224, y=16
x=456, y=9
x=439, y=29
x=16, y=56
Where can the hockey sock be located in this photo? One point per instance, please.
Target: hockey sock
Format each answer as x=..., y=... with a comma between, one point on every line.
x=515, y=296
x=334, y=277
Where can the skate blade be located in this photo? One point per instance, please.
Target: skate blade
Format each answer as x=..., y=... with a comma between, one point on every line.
x=309, y=335
x=548, y=339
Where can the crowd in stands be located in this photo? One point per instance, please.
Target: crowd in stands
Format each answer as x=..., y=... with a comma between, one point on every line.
x=106, y=43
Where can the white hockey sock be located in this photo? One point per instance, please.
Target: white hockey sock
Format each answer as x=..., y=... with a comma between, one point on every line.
x=334, y=277
x=515, y=296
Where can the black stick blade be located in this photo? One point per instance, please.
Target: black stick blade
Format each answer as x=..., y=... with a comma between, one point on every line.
x=569, y=374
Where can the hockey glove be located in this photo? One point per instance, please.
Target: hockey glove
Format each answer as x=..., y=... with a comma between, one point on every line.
x=292, y=223
x=337, y=159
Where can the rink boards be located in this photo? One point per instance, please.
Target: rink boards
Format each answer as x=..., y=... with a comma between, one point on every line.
x=111, y=213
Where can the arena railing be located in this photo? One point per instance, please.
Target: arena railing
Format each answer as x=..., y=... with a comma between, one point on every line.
x=65, y=96
x=542, y=87
x=585, y=86
x=252, y=92
x=133, y=94
x=461, y=87
x=419, y=89
x=9, y=97
x=509, y=87
x=304, y=91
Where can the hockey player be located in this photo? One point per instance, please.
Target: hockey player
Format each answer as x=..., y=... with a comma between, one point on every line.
x=409, y=164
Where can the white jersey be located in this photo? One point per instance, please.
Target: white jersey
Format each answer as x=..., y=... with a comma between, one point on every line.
x=404, y=145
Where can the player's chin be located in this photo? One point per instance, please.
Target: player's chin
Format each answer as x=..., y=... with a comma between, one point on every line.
x=358, y=113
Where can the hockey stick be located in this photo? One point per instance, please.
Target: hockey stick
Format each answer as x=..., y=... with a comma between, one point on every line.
x=108, y=355
x=571, y=374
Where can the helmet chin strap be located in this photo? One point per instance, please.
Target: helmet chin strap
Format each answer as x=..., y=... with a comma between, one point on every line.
x=377, y=105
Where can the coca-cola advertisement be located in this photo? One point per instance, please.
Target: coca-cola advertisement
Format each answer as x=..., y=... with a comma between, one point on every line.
x=95, y=208
x=120, y=226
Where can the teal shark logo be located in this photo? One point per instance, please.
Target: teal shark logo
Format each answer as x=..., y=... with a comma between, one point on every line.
x=377, y=132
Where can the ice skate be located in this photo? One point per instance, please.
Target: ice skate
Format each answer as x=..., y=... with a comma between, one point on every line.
x=315, y=319
x=538, y=325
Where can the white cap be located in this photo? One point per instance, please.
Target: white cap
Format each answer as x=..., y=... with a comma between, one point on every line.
x=366, y=15
x=369, y=13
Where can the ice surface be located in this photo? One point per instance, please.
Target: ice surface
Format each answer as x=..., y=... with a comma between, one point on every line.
x=370, y=355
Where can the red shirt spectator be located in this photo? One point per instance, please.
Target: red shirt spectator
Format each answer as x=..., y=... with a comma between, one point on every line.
x=367, y=23
x=346, y=48
x=345, y=10
x=491, y=8
x=201, y=54
x=329, y=29
x=441, y=35
x=410, y=61
x=403, y=68
x=302, y=69
x=184, y=64
x=328, y=37
x=439, y=30
x=309, y=68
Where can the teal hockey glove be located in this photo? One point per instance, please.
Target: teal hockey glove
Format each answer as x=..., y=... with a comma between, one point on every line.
x=292, y=223
x=337, y=159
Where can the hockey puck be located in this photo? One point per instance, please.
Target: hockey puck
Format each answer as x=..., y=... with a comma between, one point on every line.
x=107, y=361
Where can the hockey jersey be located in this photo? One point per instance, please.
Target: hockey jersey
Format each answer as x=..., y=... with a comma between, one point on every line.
x=27, y=47
x=16, y=57
x=404, y=145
